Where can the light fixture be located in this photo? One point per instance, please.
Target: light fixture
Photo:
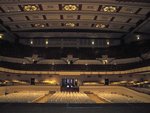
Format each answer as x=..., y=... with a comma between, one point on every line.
x=68, y=61
x=24, y=63
x=93, y=42
x=109, y=9
x=100, y=25
x=105, y=61
x=39, y=25
x=30, y=7
x=1, y=36
x=33, y=59
x=70, y=7
x=46, y=42
x=70, y=24
x=108, y=42
x=138, y=37
x=31, y=42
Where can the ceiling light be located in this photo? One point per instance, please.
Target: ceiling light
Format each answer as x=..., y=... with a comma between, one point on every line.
x=137, y=37
x=30, y=7
x=70, y=7
x=39, y=25
x=70, y=24
x=109, y=9
x=100, y=25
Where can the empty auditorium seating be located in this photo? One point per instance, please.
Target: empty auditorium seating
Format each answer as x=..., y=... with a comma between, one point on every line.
x=69, y=97
x=121, y=95
x=22, y=97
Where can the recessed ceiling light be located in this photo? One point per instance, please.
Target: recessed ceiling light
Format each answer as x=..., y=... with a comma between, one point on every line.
x=30, y=7
x=70, y=7
x=109, y=9
x=100, y=25
x=70, y=24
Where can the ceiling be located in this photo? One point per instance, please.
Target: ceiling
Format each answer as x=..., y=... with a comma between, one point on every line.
x=65, y=22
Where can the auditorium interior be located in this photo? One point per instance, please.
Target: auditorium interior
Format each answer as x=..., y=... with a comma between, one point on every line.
x=74, y=56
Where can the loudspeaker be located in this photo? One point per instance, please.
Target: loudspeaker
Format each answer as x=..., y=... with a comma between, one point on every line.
x=32, y=81
x=106, y=81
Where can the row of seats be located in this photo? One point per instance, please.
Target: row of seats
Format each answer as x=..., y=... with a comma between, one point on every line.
x=22, y=97
x=117, y=94
x=115, y=97
x=69, y=97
